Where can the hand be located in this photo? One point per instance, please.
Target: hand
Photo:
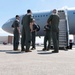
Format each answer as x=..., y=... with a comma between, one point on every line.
x=31, y=30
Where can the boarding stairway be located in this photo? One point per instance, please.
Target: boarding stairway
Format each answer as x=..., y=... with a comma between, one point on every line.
x=63, y=30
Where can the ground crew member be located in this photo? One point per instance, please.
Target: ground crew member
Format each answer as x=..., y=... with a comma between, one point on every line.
x=34, y=34
x=54, y=20
x=16, y=32
x=70, y=44
x=26, y=31
x=47, y=37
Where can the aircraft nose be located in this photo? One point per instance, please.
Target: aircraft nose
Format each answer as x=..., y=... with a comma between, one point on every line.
x=7, y=27
x=4, y=27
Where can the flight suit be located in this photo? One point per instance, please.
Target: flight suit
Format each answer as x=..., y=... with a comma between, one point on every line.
x=47, y=37
x=23, y=39
x=54, y=20
x=26, y=34
x=16, y=34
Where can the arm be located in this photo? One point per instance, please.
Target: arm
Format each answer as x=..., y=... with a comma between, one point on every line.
x=49, y=20
x=13, y=24
x=18, y=28
x=22, y=21
x=31, y=23
x=31, y=26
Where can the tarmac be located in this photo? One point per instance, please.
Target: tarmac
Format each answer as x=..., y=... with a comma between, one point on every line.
x=36, y=62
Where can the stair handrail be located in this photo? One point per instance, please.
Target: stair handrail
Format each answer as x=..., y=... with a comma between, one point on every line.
x=67, y=22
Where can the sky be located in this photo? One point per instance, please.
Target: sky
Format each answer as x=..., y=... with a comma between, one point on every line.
x=9, y=8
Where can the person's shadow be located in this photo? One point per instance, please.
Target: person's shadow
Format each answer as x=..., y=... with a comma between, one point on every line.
x=11, y=52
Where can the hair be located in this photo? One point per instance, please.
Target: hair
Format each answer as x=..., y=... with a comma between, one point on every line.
x=17, y=16
x=28, y=11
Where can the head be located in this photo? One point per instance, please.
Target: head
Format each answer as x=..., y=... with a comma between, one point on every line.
x=29, y=11
x=70, y=40
x=54, y=11
x=17, y=17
